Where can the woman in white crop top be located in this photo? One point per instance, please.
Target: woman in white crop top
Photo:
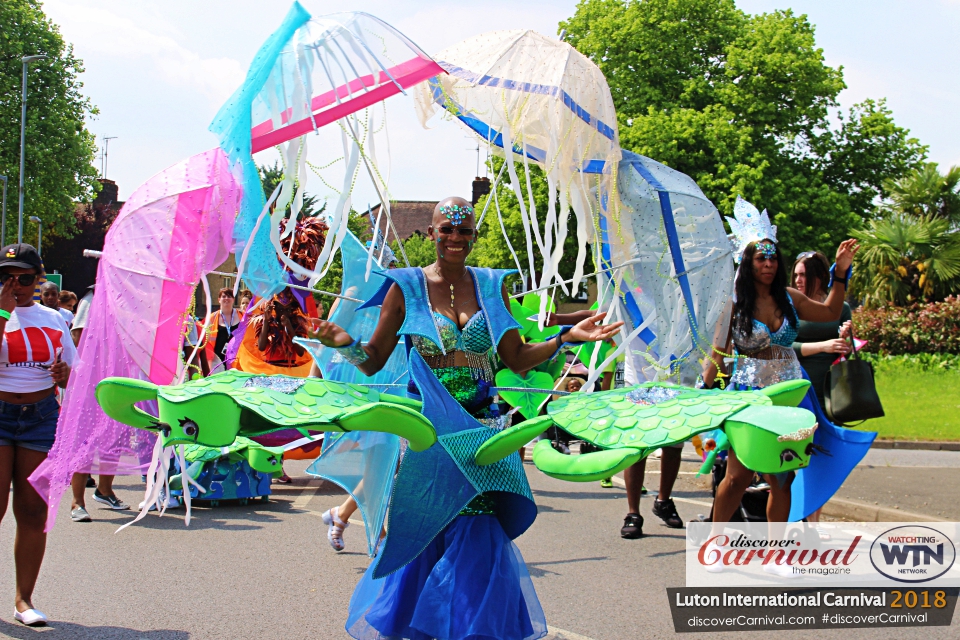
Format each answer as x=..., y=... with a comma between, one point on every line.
x=36, y=355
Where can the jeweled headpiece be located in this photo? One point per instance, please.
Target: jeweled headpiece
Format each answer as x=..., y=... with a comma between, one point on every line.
x=749, y=225
x=455, y=213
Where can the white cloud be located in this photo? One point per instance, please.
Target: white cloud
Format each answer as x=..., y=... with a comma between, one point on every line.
x=100, y=31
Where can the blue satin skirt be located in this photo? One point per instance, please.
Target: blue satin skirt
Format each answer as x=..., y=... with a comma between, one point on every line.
x=469, y=583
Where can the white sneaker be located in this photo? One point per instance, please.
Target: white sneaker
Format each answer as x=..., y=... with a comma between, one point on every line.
x=30, y=617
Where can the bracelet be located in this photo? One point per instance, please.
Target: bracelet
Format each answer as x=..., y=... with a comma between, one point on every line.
x=5, y=314
x=834, y=278
x=560, y=343
x=353, y=353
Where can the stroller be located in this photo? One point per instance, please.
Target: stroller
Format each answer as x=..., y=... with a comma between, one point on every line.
x=753, y=505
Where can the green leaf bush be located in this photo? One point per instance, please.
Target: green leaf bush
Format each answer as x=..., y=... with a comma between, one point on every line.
x=928, y=330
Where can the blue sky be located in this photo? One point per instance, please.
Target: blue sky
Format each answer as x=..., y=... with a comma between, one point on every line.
x=158, y=71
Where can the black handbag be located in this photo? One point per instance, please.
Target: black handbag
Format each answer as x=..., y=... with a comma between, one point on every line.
x=850, y=391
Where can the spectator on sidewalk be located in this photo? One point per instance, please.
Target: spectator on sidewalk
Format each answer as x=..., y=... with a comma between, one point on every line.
x=818, y=344
x=28, y=410
x=50, y=297
x=68, y=300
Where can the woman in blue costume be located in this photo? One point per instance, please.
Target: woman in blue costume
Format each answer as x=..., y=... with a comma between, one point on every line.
x=468, y=580
x=763, y=325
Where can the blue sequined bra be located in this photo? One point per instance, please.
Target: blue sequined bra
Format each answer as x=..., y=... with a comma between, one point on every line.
x=473, y=338
x=765, y=357
x=761, y=337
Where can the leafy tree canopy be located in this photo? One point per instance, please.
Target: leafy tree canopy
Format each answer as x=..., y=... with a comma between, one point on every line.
x=743, y=104
x=59, y=149
x=927, y=192
x=492, y=251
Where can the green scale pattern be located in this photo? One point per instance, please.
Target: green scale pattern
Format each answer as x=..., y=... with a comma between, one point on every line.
x=314, y=401
x=610, y=420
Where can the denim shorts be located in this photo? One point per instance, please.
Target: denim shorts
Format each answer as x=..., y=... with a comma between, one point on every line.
x=31, y=426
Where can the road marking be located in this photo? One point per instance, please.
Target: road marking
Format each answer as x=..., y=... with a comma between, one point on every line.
x=306, y=495
x=562, y=634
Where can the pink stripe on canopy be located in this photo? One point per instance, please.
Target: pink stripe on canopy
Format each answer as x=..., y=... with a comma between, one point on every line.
x=173, y=229
x=406, y=75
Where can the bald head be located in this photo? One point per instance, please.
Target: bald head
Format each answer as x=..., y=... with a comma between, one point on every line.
x=454, y=211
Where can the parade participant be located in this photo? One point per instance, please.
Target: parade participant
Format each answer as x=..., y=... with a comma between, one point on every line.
x=35, y=358
x=267, y=331
x=818, y=344
x=102, y=492
x=764, y=319
x=469, y=581
x=220, y=327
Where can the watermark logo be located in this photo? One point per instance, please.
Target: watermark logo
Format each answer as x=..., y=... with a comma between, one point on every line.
x=835, y=554
x=912, y=553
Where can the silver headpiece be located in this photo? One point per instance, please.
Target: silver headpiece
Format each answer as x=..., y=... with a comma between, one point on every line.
x=749, y=225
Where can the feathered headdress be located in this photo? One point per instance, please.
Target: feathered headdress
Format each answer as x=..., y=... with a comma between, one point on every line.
x=308, y=238
x=749, y=225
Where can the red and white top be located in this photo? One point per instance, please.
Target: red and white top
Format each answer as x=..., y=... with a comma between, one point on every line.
x=32, y=339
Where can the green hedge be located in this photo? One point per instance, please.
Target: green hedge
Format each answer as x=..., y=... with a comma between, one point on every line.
x=919, y=329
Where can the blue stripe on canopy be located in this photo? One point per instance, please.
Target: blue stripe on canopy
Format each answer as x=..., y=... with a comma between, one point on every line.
x=670, y=226
x=529, y=87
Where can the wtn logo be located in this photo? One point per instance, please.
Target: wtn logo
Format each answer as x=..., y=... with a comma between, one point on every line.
x=912, y=553
x=899, y=553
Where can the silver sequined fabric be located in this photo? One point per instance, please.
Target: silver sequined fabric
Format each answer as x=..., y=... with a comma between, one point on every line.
x=652, y=395
x=778, y=365
x=283, y=384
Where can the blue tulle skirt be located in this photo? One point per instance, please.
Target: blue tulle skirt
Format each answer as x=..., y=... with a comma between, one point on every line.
x=469, y=583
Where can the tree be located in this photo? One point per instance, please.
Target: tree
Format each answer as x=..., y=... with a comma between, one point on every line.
x=927, y=192
x=270, y=177
x=742, y=104
x=492, y=251
x=906, y=259
x=59, y=149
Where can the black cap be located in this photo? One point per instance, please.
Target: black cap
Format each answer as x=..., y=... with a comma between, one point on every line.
x=21, y=255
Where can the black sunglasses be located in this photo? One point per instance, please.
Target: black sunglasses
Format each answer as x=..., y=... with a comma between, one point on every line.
x=25, y=279
x=466, y=232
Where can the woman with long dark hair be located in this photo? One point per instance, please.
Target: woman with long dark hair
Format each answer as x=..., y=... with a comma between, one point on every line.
x=765, y=318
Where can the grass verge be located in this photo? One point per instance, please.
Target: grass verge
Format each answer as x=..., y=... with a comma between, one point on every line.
x=921, y=400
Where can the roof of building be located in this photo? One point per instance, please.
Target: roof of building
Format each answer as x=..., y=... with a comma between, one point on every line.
x=409, y=217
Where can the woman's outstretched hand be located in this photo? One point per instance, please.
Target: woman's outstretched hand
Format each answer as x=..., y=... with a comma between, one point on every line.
x=845, y=253
x=329, y=334
x=590, y=330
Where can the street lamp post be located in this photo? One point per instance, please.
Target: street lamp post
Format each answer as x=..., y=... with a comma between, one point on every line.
x=39, y=231
x=3, y=225
x=23, y=135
